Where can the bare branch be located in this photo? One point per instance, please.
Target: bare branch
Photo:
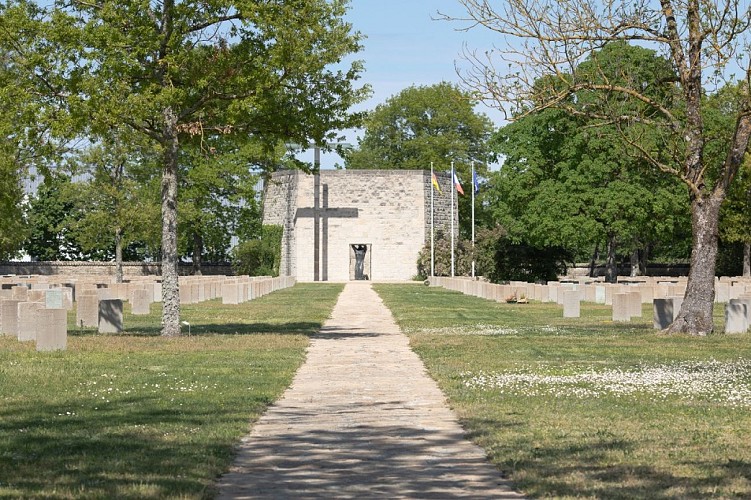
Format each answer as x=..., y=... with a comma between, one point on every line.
x=211, y=22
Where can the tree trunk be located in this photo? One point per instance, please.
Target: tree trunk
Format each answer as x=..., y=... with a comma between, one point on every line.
x=747, y=259
x=170, y=282
x=593, y=261
x=644, y=258
x=695, y=316
x=639, y=261
x=611, y=266
x=118, y=255
x=197, y=253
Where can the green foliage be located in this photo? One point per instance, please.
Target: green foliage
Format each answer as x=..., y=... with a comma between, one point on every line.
x=427, y=124
x=48, y=216
x=218, y=198
x=735, y=221
x=497, y=258
x=12, y=227
x=180, y=72
x=729, y=258
x=262, y=256
x=442, y=250
x=572, y=183
x=421, y=125
x=116, y=199
x=501, y=259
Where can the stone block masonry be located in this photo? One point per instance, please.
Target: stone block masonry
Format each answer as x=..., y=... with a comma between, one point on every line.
x=386, y=210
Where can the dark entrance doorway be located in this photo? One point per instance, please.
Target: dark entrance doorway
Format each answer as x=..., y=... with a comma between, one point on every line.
x=359, y=261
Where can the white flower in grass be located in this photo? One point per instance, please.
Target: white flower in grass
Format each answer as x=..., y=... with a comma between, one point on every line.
x=721, y=382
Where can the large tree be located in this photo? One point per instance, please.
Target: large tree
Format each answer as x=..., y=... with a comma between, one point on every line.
x=219, y=199
x=563, y=184
x=545, y=40
x=115, y=200
x=175, y=70
x=569, y=184
x=422, y=125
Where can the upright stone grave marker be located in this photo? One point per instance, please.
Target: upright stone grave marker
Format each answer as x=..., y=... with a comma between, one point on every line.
x=736, y=320
x=10, y=317
x=87, y=310
x=141, y=302
x=600, y=294
x=54, y=299
x=52, y=334
x=634, y=299
x=571, y=304
x=662, y=315
x=229, y=293
x=621, y=307
x=110, y=316
x=28, y=320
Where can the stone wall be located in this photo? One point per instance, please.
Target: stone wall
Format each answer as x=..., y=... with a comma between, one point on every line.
x=76, y=268
x=441, y=205
x=389, y=210
x=279, y=208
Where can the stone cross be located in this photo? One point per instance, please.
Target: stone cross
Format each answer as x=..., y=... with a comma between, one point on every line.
x=323, y=213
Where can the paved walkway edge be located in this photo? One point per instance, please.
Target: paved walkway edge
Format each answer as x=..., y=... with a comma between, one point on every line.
x=362, y=419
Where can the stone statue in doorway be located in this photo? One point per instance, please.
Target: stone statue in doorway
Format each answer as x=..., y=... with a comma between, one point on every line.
x=360, y=261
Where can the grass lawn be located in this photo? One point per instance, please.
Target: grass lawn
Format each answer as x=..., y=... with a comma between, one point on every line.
x=585, y=407
x=139, y=416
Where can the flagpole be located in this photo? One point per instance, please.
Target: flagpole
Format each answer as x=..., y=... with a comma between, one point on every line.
x=453, y=188
x=432, y=225
x=473, y=218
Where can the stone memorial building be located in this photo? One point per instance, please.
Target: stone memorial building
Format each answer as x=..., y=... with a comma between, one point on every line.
x=371, y=224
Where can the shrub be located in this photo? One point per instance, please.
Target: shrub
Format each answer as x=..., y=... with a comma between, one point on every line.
x=260, y=257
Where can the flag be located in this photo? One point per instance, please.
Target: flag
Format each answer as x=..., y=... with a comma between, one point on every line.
x=434, y=180
x=458, y=185
x=475, y=182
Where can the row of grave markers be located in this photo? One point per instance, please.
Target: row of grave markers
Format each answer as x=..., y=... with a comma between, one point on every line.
x=35, y=308
x=626, y=297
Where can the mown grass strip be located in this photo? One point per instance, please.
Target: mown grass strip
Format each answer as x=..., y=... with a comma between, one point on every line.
x=139, y=416
x=587, y=407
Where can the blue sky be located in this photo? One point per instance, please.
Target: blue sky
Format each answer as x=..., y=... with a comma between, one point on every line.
x=405, y=46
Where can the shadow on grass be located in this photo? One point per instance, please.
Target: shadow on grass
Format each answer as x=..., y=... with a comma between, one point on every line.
x=46, y=453
x=309, y=329
x=587, y=469
x=295, y=328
